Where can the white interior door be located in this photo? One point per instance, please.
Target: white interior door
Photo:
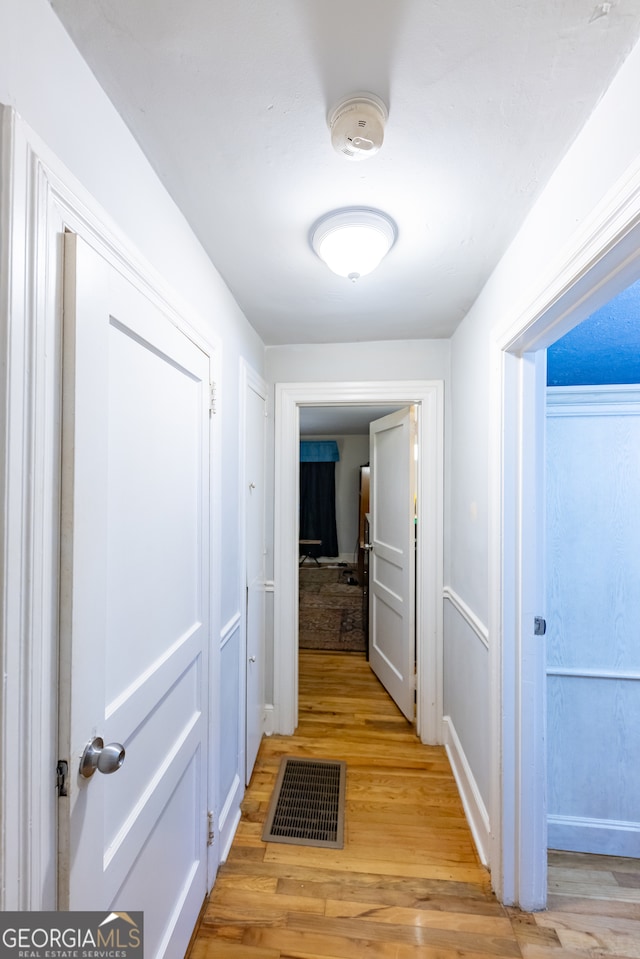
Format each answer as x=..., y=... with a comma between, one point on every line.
x=392, y=509
x=255, y=423
x=135, y=601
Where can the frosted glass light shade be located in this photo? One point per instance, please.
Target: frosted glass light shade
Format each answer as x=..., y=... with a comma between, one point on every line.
x=353, y=242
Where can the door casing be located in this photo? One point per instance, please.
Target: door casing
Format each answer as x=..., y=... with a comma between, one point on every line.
x=250, y=382
x=428, y=395
x=602, y=260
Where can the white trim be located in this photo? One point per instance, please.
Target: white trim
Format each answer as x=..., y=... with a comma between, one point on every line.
x=474, y=807
x=428, y=396
x=467, y=614
x=249, y=379
x=29, y=489
x=230, y=817
x=593, y=401
x=600, y=260
x=572, y=673
x=599, y=836
x=230, y=627
x=575, y=285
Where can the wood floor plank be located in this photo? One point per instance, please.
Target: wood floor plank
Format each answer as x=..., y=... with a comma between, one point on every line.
x=399, y=892
x=497, y=926
x=209, y=948
x=242, y=906
x=424, y=866
x=359, y=929
x=563, y=901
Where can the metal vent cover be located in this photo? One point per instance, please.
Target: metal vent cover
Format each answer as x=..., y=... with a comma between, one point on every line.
x=307, y=804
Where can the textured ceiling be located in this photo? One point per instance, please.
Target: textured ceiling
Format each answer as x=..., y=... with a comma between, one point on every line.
x=229, y=98
x=343, y=420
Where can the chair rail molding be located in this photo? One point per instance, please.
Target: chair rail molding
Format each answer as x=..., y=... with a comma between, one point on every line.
x=467, y=614
x=593, y=400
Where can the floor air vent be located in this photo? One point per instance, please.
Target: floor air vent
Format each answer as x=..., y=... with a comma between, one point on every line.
x=307, y=805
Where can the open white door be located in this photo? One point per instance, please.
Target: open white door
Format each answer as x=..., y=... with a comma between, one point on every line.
x=392, y=510
x=254, y=436
x=134, y=605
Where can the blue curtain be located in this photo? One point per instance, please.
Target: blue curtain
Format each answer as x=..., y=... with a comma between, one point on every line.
x=318, y=496
x=319, y=451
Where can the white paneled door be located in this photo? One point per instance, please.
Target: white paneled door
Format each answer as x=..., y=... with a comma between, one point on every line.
x=593, y=611
x=254, y=471
x=135, y=606
x=392, y=505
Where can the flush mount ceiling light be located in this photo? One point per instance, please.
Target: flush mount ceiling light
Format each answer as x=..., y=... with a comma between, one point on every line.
x=352, y=242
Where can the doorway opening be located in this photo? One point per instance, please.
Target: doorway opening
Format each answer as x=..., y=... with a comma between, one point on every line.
x=290, y=399
x=586, y=280
x=592, y=601
x=333, y=574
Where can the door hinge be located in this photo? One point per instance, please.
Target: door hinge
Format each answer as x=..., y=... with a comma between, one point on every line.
x=62, y=770
x=210, y=830
x=212, y=397
x=539, y=626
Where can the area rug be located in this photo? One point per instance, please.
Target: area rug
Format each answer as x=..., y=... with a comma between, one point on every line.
x=307, y=804
x=330, y=609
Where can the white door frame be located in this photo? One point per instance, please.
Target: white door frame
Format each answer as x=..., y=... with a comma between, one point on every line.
x=428, y=395
x=601, y=260
x=249, y=380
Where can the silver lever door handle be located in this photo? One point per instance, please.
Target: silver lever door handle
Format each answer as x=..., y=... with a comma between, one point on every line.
x=106, y=759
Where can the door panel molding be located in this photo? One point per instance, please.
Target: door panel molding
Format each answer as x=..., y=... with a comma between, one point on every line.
x=428, y=395
x=392, y=626
x=253, y=658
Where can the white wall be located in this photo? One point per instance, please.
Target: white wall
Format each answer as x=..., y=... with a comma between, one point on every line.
x=599, y=158
x=79, y=133
x=593, y=611
x=360, y=362
x=44, y=78
x=354, y=453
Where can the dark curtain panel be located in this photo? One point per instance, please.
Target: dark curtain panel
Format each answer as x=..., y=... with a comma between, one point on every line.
x=318, y=507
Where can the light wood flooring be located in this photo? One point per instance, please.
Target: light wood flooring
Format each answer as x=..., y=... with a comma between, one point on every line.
x=408, y=883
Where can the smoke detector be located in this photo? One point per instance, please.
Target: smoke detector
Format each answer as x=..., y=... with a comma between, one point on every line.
x=357, y=126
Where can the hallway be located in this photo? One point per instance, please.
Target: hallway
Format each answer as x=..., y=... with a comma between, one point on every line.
x=408, y=884
x=408, y=876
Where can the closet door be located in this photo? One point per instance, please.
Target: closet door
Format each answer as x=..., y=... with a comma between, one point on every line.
x=135, y=607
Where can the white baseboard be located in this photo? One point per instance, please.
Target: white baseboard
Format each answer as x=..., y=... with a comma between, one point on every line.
x=474, y=807
x=270, y=719
x=227, y=839
x=605, y=837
